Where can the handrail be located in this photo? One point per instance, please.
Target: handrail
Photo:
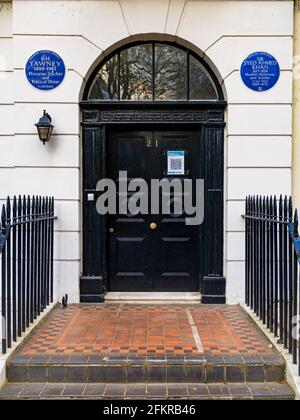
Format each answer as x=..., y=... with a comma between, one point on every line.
x=4, y=236
x=266, y=219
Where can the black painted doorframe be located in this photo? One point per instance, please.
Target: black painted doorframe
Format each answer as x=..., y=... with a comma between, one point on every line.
x=96, y=119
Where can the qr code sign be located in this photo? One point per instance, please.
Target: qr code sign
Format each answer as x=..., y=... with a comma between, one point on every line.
x=176, y=164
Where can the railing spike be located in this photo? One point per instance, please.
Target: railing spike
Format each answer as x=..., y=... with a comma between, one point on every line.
x=3, y=216
x=285, y=207
x=47, y=205
x=28, y=204
x=23, y=204
x=8, y=208
x=290, y=206
x=14, y=206
x=280, y=207
x=19, y=202
x=296, y=223
x=259, y=203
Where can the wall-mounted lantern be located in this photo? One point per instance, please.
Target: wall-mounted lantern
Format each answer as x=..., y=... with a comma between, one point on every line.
x=44, y=128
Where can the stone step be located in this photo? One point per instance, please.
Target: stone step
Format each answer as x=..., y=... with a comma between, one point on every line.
x=147, y=370
x=153, y=298
x=141, y=391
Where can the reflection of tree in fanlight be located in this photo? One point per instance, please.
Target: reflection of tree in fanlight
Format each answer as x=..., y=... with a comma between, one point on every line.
x=170, y=73
x=153, y=71
x=136, y=73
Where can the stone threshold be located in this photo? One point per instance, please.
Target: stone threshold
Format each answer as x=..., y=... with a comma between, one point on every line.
x=153, y=297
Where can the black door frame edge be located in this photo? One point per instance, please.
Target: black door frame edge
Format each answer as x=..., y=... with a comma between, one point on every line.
x=96, y=117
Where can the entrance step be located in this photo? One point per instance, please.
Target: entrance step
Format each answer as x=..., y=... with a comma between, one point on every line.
x=146, y=370
x=141, y=391
x=153, y=297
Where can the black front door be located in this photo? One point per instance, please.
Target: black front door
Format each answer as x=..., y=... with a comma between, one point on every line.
x=153, y=252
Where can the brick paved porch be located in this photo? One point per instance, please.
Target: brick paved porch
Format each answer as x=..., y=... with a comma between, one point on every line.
x=147, y=330
x=121, y=351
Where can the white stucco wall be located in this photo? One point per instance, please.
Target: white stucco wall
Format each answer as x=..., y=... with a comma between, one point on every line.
x=258, y=133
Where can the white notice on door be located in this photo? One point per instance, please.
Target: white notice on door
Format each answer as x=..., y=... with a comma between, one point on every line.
x=176, y=162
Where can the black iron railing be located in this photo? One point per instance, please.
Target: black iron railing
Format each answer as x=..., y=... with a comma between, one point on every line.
x=272, y=268
x=26, y=274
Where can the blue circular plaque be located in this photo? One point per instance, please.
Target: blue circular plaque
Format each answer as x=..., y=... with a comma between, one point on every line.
x=45, y=70
x=260, y=71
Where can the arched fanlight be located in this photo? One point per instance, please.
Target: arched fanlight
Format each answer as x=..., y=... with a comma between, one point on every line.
x=153, y=71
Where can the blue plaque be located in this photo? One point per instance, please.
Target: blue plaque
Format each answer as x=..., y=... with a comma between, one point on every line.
x=45, y=70
x=260, y=71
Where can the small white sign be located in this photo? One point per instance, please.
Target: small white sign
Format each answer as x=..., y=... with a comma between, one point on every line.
x=176, y=163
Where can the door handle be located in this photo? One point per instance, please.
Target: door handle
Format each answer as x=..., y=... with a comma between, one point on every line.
x=111, y=230
x=153, y=226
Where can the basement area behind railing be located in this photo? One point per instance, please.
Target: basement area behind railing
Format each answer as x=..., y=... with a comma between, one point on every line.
x=272, y=268
x=26, y=264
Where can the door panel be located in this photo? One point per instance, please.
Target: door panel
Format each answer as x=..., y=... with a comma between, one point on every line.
x=129, y=242
x=126, y=275
x=167, y=258
x=178, y=266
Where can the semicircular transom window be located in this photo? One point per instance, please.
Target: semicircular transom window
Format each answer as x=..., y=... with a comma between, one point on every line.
x=153, y=71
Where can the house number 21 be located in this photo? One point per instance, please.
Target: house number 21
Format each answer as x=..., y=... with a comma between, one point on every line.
x=149, y=143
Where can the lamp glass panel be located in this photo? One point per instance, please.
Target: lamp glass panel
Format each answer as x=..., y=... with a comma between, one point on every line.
x=44, y=133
